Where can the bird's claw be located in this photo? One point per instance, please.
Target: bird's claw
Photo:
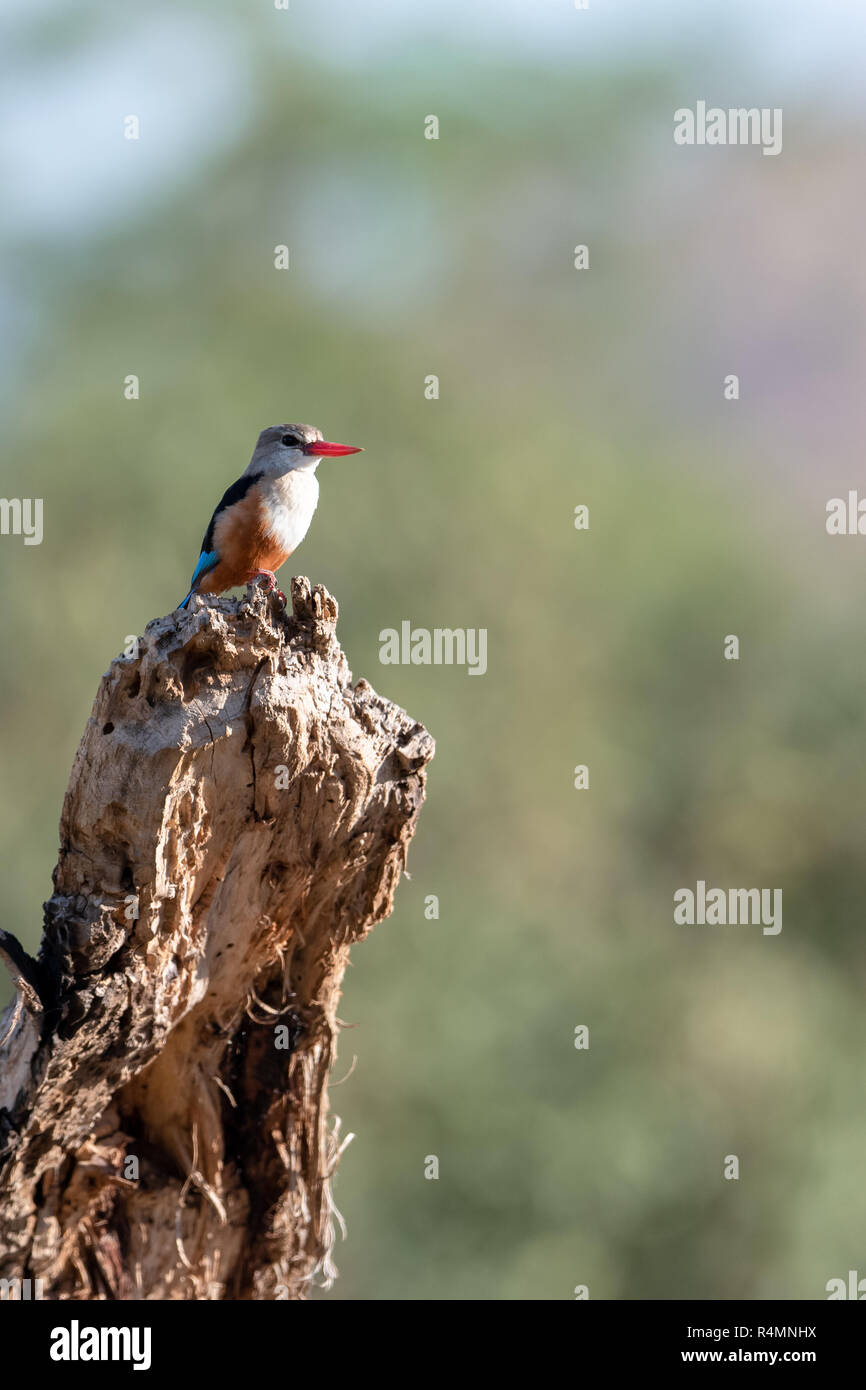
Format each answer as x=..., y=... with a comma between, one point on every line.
x=270, y=584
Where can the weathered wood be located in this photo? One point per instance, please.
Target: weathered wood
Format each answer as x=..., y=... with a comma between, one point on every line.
x=238, y=815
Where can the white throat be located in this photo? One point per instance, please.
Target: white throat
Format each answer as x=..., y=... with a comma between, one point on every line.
x=290, y=500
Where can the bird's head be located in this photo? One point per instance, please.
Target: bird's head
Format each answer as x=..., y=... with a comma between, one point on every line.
x=284, y=448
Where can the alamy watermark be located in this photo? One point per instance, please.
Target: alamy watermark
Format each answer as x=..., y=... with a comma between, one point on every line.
x=443, y=646
x=846, y=517
x=77, y=1343
x=21, y=1290
x=738, y=125
x=854, y=1287
x=720, y=907
x=22, y=516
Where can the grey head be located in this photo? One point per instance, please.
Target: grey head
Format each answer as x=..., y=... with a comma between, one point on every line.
x=284, y=448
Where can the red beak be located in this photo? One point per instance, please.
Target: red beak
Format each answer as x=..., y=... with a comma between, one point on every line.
x=320, y=448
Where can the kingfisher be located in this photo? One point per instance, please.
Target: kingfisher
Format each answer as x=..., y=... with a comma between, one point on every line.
x=265, y=515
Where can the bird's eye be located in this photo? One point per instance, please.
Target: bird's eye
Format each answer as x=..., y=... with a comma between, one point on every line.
x=290, y=440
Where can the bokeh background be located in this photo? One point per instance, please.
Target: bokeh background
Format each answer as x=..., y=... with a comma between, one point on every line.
x=412, y=257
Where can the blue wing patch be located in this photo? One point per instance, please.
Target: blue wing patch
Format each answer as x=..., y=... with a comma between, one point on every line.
x=207, y=561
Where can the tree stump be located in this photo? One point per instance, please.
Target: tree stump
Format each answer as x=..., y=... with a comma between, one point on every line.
x=238, y=815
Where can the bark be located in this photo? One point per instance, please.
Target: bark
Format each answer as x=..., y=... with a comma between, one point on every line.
x=238, y=815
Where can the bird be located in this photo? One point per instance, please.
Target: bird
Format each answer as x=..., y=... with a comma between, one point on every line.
x=263, y=517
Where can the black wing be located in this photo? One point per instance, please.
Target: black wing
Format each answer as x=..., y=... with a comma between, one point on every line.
x=233, y=494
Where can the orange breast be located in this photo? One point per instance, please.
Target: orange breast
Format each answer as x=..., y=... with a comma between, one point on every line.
x=244, y=542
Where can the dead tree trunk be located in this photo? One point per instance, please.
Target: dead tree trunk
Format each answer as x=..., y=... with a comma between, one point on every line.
x=238, y=816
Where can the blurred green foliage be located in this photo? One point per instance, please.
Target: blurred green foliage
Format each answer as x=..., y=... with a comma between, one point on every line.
x=558, y=387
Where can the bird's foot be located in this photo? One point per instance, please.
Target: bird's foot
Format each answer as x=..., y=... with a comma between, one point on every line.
x=270, y=583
